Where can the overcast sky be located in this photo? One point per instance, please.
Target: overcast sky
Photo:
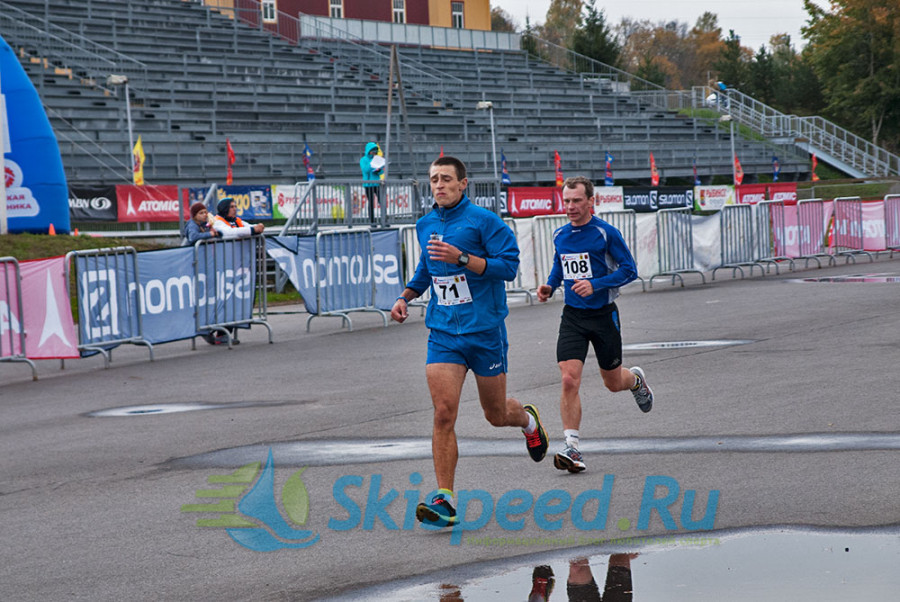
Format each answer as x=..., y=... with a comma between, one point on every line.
x=753, y=20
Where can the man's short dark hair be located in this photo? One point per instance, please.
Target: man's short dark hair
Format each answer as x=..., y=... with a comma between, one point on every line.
x=458, y=165
x=576, y=180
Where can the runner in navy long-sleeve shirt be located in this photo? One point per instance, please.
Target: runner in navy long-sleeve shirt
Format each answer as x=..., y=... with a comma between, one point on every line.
x=591, y=261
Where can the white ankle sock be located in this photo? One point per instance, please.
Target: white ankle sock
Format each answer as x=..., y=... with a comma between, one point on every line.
x=532, y=425
x=571, y=436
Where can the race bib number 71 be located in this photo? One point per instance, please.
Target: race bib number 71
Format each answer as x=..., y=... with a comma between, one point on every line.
x=576, y=266
x=452, y=290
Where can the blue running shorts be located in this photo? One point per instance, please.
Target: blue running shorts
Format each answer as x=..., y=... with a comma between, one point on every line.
x=483, y=352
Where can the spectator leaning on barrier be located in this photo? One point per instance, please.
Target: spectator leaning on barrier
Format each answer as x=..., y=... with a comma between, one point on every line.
x=591, y=261
x=229, y=225
x=198, y=227
x=468, y=253
x=371, y=176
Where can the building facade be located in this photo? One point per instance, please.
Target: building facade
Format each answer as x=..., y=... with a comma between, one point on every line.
x=458, y=14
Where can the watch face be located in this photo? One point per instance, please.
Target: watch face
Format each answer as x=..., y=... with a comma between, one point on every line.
x=463, y=259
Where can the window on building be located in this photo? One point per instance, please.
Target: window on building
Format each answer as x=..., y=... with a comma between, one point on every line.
x=269, y=8
x=399, y=11
x=336, y=9
x=456, y=15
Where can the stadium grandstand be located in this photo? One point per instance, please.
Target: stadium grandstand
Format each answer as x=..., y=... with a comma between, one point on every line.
x=271, y=83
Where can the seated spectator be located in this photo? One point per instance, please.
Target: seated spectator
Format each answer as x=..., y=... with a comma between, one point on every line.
x=198, y=228
x=229, y=225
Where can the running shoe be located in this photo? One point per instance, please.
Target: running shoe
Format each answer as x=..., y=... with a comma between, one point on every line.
x=642, y=395
x=439, y=513
x=542, y=582
x=537, y=442
x=569, y=459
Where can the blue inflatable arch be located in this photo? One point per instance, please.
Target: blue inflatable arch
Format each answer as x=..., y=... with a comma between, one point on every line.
x=36, y=190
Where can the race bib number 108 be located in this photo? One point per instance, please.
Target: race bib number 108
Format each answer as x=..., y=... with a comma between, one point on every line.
x=452, y=290
x=576, y=266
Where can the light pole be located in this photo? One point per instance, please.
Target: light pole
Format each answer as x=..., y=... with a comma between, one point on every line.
x=118, y=80
x=727, y=119
x=486, y=104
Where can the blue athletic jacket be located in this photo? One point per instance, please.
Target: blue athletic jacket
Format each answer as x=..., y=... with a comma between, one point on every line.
x=611, y=262
x=481, y=233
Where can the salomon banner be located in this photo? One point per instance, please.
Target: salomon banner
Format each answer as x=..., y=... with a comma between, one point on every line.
x=296, y=256
x=92, y=204
x=645, y=199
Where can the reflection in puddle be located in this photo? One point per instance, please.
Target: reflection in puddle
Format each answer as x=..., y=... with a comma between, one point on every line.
x=868, y=278
x=740, y=565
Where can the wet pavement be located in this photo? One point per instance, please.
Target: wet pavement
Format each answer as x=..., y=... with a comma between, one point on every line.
x=766, y=470
x=741, y=565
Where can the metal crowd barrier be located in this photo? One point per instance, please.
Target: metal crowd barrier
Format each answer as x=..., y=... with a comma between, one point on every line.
x=409, y=244
x=848, y=228
x=771, y=235
x=736, y=238
x=542, y=235
x=12, y=341
x=515, y=286
x=892, y=223
x=346, y=203
x=345, y=282
x=675, y=242
x=811, y=231
x=233, y=307
x=625, y=221
x=108, y=298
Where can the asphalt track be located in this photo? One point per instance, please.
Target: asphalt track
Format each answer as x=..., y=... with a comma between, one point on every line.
x=798, y=427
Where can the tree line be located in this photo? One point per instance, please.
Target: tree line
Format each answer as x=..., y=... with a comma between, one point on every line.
x=848, y=71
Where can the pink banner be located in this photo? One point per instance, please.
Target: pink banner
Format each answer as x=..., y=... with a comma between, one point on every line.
x=750, y=194
x=49, y=328
x=147, y=203
x=783, y=191
x=528, y=202
x=873, y=233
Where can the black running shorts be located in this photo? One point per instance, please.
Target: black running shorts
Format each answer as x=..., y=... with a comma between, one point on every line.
x=599, y=327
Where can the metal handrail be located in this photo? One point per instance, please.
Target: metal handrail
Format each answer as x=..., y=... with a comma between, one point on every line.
x=96, y=60
x=817, y=131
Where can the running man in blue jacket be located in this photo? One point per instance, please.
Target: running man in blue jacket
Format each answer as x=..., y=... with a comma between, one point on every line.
x=468, y=255
x=591, y=261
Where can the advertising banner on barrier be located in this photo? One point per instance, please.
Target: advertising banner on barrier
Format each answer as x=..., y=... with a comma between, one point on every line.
x=751, y=194
x=528, y=202
x=166, y=291
x=713, y=198
x=147, y=203
x=48, y=317
x=296, y=256
x=253, y=202
x=783, y=191
x=92, y=203
x=609, y=198
x=645, y=199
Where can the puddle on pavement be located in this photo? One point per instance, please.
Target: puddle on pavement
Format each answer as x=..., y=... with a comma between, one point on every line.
x=866, y=278
x=736, y=565
x=172, y=408
x=362, y=451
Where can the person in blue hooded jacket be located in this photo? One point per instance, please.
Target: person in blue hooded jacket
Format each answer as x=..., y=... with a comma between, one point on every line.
x=468, y=255
x=371, y=177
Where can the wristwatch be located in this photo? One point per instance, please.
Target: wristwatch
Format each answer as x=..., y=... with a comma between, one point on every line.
x=463, y=259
